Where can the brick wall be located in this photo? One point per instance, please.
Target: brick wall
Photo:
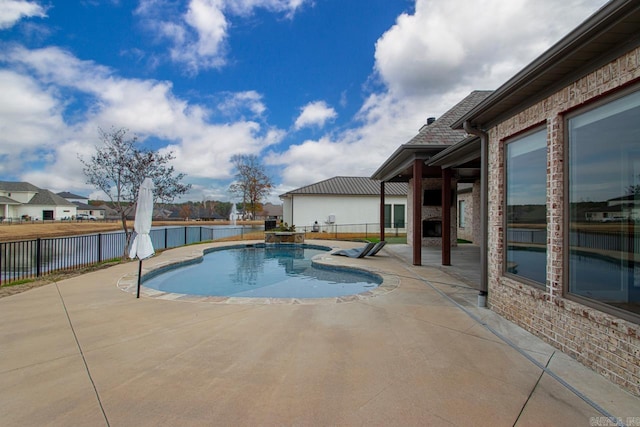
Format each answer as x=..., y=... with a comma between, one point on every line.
x=431, y=213
x=605, y=343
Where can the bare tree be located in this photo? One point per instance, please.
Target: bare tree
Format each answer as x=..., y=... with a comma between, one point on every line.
x=185, y=212
x=118, y=168
x=252, y=183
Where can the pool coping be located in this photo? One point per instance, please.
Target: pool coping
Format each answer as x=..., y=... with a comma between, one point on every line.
x=129, y=282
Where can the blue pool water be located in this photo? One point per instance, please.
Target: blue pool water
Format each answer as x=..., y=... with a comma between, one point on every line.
x=279, y=271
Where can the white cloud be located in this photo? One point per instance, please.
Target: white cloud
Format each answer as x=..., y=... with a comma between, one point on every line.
x=30, y=120
x=198, y=36
x=234, y=103
x=449, y=43
x=148, y=108
x=429, y=61
x=12, y=11
x=246, y=7
x=315, y=113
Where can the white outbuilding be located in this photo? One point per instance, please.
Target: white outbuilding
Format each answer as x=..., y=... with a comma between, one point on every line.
x=346, y=204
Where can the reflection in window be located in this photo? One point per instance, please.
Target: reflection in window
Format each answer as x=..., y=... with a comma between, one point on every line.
x=604, y=203
x=526, y=211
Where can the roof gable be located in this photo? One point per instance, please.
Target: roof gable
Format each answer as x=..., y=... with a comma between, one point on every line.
x=46, y=197
x=12, y=186
x=440, y=132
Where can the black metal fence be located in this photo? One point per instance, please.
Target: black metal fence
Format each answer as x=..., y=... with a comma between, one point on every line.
x=27, y=259
x=362, y=230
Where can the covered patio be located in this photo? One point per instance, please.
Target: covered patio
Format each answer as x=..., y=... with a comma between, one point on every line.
x=434, y=162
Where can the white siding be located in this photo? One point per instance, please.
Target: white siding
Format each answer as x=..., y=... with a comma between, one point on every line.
x=35, y=211
x=347, y=209
x=19, y=196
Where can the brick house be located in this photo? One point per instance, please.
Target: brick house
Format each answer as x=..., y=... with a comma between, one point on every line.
x=547, y=157
x=560, y=137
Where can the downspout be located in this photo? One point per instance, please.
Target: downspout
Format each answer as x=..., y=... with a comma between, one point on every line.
x=484, y=209
x=382, y=218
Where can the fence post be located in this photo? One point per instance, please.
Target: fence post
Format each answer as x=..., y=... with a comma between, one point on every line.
x=166, y=238
x=38, y=256
x=200, y=234
x=99, y=247
x=185, y=235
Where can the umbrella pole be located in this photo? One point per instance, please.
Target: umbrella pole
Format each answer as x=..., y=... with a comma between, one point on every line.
x=139, y=274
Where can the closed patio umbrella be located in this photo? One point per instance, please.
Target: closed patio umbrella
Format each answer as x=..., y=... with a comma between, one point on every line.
x=142, y=246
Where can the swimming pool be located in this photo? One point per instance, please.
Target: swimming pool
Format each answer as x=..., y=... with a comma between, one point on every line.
x=261, y=271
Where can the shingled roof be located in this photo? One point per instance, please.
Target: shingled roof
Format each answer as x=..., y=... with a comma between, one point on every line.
x=439, y=132
x=46, y=197
x=430, y=140
x=17, y=186
x=351, y=186
x=68, y=195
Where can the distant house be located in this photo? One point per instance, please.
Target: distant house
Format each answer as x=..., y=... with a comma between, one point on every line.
x=345, y=201
x=96, y=211
x=73, y=198
x=270, y=211
x=83, y=206
x=22, y=200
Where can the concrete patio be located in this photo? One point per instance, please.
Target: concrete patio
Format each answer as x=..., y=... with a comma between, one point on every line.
x=84, y=352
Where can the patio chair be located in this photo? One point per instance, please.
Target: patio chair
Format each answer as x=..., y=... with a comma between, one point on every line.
x=356, y=252
x=377, y=248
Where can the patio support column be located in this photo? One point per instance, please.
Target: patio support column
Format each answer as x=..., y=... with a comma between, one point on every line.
x=382, y=211
x=417, y=212
x=446, y=216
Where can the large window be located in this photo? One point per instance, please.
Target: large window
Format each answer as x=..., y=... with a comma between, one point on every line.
x=387, y=216
x=604, y=203
x=395, y=220
x=398, y=216
x=526, y=212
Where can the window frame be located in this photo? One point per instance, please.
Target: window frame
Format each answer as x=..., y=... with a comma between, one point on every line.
x=539, y=127
x=566, y=220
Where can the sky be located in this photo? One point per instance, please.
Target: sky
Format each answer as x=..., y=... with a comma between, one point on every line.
x=314, y=88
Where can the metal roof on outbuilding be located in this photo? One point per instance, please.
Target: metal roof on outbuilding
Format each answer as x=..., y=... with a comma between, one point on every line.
x=351, y=186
